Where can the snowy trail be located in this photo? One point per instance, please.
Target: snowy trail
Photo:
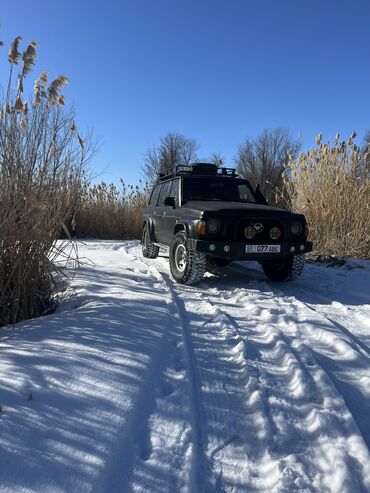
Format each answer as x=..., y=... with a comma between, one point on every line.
x=234, y=385
x=284, y=346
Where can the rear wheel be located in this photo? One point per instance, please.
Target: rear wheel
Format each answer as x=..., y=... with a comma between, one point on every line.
x=284, y=270
x=187, y=265
x=148, y=248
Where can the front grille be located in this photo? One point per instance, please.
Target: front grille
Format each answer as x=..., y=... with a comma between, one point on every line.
x=262, y=236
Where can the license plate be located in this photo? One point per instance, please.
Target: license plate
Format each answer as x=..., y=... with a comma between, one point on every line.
x=262, y=248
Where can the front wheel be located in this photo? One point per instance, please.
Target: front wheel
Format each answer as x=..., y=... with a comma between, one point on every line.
x=187, y=265
x=284, y=270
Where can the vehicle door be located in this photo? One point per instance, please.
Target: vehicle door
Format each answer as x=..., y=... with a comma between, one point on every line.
x=152, y=210
x=160, y=212
x=170, y=213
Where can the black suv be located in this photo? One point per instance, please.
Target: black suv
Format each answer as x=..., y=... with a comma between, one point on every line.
x=208, y=216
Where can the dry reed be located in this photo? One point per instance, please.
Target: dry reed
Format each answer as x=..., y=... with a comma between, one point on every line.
x=41, y=167
x=330, y=184
x=109, y=212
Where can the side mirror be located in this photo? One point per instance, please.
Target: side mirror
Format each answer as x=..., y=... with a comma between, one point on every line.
x=170, y=201
x=260, y=197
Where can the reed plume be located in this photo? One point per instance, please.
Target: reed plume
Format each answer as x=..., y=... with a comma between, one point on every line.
x=28, y=58
x=54, y=88
x=14, y=54
x=18, y=106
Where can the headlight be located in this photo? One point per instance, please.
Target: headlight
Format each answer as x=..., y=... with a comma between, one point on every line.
x=275, y=233
x=296, y=229
x=249, y=232
x=213, y=226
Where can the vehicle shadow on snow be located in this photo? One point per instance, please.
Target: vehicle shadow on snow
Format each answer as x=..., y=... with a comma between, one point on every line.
x=319, y=284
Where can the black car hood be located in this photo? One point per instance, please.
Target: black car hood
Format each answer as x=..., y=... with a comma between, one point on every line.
x=235, y=207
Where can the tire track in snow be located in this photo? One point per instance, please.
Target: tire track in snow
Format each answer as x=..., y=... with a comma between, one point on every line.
x=347, y=320
x=233, y=416
x=301, y=387
x=133, y=445
x=198, y=480
x=354, y=386
x=337, y=399
x=151, y=451
x=356, y=341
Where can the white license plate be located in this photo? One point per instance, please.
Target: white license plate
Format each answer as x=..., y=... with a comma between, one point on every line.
x=262, y=248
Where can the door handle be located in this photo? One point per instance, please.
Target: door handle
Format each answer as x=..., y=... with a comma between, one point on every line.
x=164, y=214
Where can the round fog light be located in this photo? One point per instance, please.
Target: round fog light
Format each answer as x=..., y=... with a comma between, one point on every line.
x=301, y=248
x=275, y=233
x=212, y=247
x=292, y=249
x=249, y=232
x=227, y=248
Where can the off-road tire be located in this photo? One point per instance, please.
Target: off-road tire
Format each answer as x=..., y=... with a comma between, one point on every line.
x=193, y=267
x=214, y=264
x=148, y=248
x=285, y=270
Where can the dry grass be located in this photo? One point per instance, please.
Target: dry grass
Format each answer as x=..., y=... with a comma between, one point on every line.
x=41, y=166
x=331, y=186
x=109, y=212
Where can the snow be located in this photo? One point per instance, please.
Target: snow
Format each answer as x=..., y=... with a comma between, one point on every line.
x=144, y=385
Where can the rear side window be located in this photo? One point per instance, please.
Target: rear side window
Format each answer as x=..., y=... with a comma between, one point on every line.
x=154, y=198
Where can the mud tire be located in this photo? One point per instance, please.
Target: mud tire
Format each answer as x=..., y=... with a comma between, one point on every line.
x=187, y=265
x=148, y=248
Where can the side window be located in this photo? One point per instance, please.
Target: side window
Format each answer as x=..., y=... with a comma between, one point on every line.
x=164, y=192
x=174, y=192
x=154, y=196
x=245, y=193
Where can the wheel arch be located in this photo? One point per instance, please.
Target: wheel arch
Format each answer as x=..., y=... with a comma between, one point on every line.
x=181, y=227
x=150, y=224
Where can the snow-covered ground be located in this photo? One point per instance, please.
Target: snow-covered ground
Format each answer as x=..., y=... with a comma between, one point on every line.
x=237, y=384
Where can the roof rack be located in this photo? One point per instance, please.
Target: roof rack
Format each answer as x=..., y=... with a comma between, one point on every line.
x=208, y=169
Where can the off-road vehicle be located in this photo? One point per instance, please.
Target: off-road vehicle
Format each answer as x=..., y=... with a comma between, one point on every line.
x=207, y=217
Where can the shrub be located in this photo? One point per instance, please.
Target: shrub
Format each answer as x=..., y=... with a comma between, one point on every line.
x=41, y=164
x=331, y=186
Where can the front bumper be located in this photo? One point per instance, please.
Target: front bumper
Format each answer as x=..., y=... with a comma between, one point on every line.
x=237, y=250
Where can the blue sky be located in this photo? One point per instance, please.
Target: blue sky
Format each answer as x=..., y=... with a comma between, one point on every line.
x=214, y=70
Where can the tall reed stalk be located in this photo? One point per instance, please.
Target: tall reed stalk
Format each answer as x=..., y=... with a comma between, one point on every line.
x=42, y=161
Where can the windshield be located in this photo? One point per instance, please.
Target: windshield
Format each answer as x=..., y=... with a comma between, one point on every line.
x=225, y=189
